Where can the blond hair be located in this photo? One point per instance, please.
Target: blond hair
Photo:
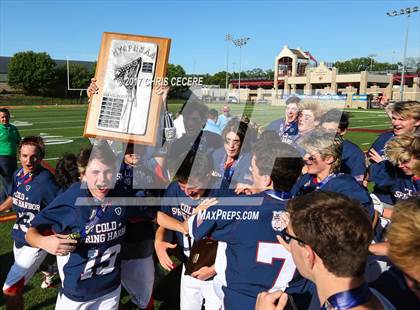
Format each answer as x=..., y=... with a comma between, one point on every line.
x=326, y=144
x=407, y=109
x=312, y=106
x=403, y=236
x=403, y=148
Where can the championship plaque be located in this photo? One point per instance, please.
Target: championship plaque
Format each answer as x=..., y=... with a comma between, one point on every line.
x=126, y=108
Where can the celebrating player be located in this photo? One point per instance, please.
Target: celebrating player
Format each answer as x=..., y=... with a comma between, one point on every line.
x=193, y=182
x=287, y=127
x=397, y=174
x=352, y=157
x=405, y=119
x=232, y=161
x=33, y=188
x=323, y=161
x=255, y=262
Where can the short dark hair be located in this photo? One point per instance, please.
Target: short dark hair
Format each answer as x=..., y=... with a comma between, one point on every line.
x=191, y=107
x=200, y=163
x=336, y=227
x=213, y=113
x=66, y=172
x=36, y=141
x=292, y=99
x=280, y=161
x=4, y=110
x=336, y=116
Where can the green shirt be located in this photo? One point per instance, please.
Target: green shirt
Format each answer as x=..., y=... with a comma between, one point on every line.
x=9, y=140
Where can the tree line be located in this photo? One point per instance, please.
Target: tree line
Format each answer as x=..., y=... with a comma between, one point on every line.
x=38, y=74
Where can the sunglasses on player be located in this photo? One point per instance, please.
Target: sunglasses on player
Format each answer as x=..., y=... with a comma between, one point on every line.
x=288, y=237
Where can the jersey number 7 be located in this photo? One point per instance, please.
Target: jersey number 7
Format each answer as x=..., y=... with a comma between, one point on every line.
x=267, y=253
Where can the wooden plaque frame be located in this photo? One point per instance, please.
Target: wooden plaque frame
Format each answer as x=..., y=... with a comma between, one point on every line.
x=126, y=107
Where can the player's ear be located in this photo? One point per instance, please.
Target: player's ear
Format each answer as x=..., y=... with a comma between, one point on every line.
x=267, y=180
x=310, y=256
x=330, y=160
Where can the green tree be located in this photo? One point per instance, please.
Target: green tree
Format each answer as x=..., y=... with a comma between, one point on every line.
x=361, y=64
x=32, y=72
x=413, y=63
x=79, y=76
x=175, y=71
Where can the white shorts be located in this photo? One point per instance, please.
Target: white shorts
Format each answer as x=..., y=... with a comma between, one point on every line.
x=193, y=291
x=107, y=302
x=137, y=277
x=27, y=262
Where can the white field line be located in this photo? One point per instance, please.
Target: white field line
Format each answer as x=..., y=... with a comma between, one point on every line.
x=52, y=158
x=377, y=125
x=51, y=128
x=40, y=118
x=365, y=111
x=370, y=117
x=58, y=122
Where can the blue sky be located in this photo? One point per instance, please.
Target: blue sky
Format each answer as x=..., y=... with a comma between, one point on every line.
x=330, y=30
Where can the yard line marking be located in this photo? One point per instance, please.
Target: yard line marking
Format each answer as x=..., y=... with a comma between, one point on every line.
x=377, y=125
x=52, y=158
x=53, y=122
x=49, y=128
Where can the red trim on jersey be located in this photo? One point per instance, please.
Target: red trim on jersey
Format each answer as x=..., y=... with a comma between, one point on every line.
x=160, y=174
x=15, y=289
x=151, y=304
x=48, y=166
x=416, y=178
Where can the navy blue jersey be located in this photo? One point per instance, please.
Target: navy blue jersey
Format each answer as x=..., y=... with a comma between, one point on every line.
x=93, y=269
x=387, y=177
x=181, y=207
x=256, y=261
x=238, y=172
x=381, y=141
x=30, y=193
x=287, y=134
x=353, y=160
x=379, y=145
x=145, y=184
x=341, y=183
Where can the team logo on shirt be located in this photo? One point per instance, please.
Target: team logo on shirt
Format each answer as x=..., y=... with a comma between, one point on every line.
x=118, y=210
x=27, y=187
x=280, y=220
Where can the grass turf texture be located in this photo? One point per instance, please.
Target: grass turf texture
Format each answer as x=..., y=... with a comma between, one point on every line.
x=67, y=122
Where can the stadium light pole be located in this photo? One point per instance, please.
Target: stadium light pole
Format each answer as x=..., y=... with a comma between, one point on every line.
x=239, y=43
x=228, y=38
x=406, y=11
x=371, y=60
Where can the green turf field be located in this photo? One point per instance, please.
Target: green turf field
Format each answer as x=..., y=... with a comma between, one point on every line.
x=62, y=128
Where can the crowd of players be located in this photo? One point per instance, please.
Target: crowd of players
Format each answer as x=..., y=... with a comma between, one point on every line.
x=295, y=224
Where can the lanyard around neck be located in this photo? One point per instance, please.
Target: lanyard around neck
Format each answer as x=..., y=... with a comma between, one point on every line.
x=348, y=299
x=278, y=195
